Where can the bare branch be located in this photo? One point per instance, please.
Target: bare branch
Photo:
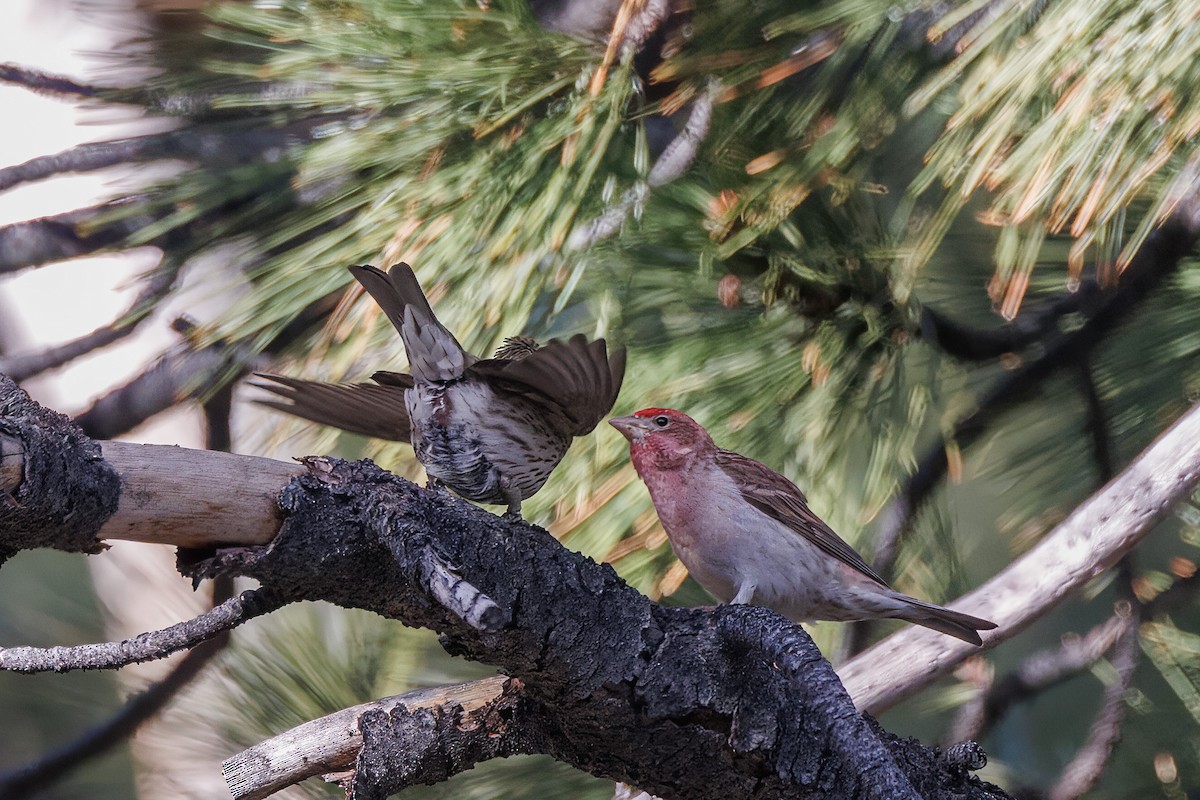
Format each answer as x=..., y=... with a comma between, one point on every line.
x=211, y=147
x=146, y=646
x=187, y=371
x=171, y=495
x=1043, y=670
x=56, y=764
x=64, y=236
x=1084, y=770
x=1093, y=538
x=23, y=367
x=333, y=743
x=1048, y=668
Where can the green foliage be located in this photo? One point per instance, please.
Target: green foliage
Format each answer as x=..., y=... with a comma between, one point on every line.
x=1069, y=115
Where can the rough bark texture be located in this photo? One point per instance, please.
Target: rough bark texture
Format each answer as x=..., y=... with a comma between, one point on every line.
x=67, y=490
x=726, y=702
x=403, y=746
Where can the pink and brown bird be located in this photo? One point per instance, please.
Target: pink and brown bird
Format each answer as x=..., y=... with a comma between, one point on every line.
x=747, y=535
x=491, y=429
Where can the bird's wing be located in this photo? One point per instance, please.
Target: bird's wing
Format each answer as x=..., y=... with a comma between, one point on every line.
x=780, y=499
x=365, y=408
x=433, y=352
x=576, y=378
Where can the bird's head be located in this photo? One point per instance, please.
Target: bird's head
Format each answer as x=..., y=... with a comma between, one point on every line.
x=662, y=437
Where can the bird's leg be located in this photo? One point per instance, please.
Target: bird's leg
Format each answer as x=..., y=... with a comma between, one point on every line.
x=513, y=496
x=744, y=595
x=436, y=485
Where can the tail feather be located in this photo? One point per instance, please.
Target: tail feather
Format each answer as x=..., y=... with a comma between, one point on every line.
x=433, y=352
x=365, y=408
x=944, y=620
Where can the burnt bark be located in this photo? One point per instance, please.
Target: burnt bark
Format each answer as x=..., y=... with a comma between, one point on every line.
x=67, y=490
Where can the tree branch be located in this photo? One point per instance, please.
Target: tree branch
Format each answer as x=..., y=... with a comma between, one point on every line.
x=672, y=163
x=1081, y=774
x=145, y=646
x=1048, y=668
x=44, y=82
x=64, y=236
x=23, y=367
x=187, y=371
x=144, y=493
x=1096, y=535
x=242, y=144
x=56, y=764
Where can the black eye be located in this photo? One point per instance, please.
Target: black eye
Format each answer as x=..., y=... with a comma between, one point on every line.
x=661, y=420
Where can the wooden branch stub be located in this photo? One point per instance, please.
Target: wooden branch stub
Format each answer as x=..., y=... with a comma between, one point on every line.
x=195, y=498
x=332, y=744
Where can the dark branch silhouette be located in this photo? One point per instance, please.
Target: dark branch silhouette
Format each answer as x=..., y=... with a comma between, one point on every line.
x=45, y=83
x=1158, y=258
x=23, y=367
x=187, y=371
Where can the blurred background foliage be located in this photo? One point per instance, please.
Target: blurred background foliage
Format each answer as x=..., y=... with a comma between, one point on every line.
x=881, y=188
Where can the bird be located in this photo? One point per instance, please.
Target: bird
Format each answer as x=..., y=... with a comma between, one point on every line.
x=491, y=429
x=747, y=535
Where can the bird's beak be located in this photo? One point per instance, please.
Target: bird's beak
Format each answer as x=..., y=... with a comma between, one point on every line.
x=634, y=428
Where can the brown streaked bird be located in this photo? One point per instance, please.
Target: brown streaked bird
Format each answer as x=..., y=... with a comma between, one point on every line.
x=747, y=535
x=491, y=429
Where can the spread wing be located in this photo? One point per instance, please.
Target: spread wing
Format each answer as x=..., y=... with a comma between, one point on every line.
x=780, y=499
x=576, y=378
x=366, y=408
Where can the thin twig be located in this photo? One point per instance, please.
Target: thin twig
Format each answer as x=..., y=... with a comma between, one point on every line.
x=57, y=764
x=44, y=82
x=1085, y=767
x=145, y=646
x=671, y=164
x=1097, y=423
